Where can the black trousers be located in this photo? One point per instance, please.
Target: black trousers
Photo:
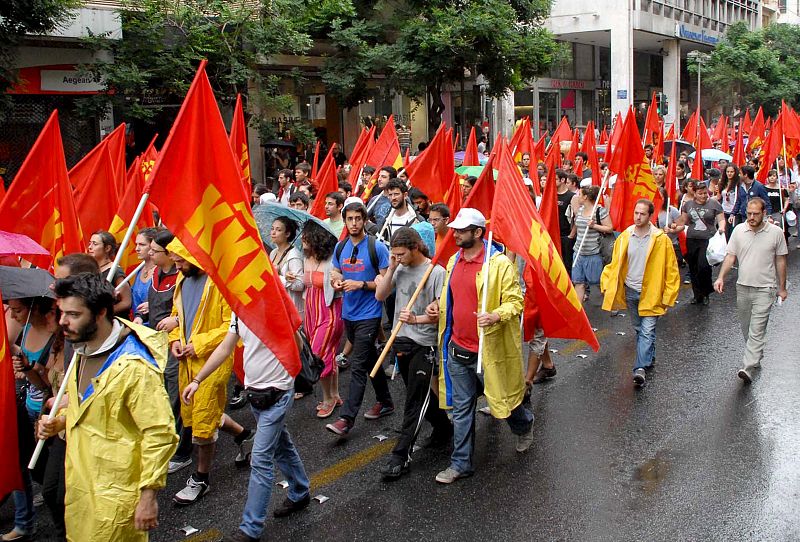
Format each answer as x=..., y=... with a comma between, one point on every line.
x=54, y=485
x=362, y=334
x=417, y=364
x=699, y=269
x=567, y=247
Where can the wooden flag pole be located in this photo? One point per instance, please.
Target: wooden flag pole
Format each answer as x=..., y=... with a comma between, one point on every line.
x=594, y=210
x=68, y=370
x=485, y=271
x=399, y=325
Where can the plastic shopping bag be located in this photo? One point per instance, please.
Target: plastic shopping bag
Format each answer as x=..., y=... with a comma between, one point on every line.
x=717, y=248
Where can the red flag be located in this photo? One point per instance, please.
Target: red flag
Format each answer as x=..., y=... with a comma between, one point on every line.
x=328, y=182
x=480, y=198
x=471, y=152
x=671, y=180
x=746, y=123
x=82, y=174
x=738, y=149
x=358, y=157
x=720, y=130
x=756, y=137
x=573, y=149
x=616, y=133
x=238, y=140
x=2, y=189
x=39, y=202
x=590, y=148
x=433, y=169
x=652, y=124
x=563, y=132
x=521, y=140
x=634, y=176
x=213, y=220
x=516, y=221
x=548, y=209
x=10, y=473
x=387, y=149
x=97, y=203
x=456, y=140
x=689, y=133
x=670, y=133
x=407, y=157
x=603, y=136
x=315, y=163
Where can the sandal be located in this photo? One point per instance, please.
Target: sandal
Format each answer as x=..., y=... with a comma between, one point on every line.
x=544, y=373
x=326, y=410
x=300, y=395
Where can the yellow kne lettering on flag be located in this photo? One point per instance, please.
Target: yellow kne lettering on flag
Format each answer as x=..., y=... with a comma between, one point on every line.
x=214, y=227
x=244, y=162
x=554, y=268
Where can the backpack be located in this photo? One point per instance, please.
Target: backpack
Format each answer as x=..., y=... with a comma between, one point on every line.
x=373, y=252
x=606, y=242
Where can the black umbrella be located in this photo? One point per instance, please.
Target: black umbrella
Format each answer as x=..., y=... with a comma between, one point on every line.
x=681, y=146
x=21, y=282
x=278, y=143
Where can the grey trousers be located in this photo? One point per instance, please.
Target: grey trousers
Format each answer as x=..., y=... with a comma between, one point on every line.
x=753, y=305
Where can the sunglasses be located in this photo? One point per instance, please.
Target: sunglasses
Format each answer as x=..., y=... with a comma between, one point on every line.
x=354, y=255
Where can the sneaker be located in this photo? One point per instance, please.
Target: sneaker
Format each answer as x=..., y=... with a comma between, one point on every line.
x=639, y=377
x=342, y=362
x=289, y=506
x=525, y=440
x=486, y=411
x=176, y=464
x=450, y=475
x=15, y=534
x=192, y=493
x=245, y=451
x=394, y=469
x=745, y=375
x=378, y=410
x=687, y=281
x=706, y=300
x=341, y=427
x=238, y=399
x=544, y=374
x=326, y=409
x=239, y=536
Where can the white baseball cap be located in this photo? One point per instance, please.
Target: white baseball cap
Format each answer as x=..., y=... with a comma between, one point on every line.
x=466, y=218
x=351, y=200
x=586, y=183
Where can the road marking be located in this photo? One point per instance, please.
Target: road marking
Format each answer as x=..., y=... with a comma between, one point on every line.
x=351, y=464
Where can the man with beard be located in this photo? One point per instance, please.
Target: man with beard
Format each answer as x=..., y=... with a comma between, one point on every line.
x=379, y=206
x=203, y=317
x=401, y=215
x=119, y=424
x=459, y=321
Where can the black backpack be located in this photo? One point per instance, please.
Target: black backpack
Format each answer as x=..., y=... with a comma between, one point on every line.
x=373, y=252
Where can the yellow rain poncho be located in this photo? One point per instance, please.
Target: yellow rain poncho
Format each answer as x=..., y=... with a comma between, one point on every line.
x=210, y=326
x=120, y=438
x=504, y=385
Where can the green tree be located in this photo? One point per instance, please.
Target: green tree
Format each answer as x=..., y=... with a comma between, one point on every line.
x=748, y=68
x=164, y=40
x=19, y=18
x=422, y=46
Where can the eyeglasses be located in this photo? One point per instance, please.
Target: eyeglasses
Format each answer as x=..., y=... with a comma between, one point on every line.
x=354, y=255
x=464, y=230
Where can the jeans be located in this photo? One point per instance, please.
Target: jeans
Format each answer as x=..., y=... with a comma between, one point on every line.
x=699, y=269
x=417, y=365
x=467, y=385
x=24, y=512
x=645, y=327
x=272, y=444
x=754, y=305
x=362, y=334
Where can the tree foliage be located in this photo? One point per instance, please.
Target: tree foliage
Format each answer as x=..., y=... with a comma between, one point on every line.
x=164, y=41
x=748, y=68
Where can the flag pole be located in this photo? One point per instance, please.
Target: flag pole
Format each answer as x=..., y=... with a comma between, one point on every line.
x=594, y=210
x=128, y=278
x=789, y=175
x=68, y=370
x=388, y=347
x=485, y=272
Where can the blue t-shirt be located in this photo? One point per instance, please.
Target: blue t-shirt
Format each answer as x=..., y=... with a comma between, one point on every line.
x=361, y=304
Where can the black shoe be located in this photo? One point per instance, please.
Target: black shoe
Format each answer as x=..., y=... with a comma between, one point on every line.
x=394, y=469
x=639, y=377
x=695, y=301
x=544, y=374
x=438, y=440
x=706, y=300
x=289, y=507
x=239, y=536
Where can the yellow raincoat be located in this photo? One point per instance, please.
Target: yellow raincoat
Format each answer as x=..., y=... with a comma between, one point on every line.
x=210, y=326
x=661, y=279
x=504, y=384
x=119, y=440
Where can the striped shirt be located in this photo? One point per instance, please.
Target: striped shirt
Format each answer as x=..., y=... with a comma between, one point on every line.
x=592, y=243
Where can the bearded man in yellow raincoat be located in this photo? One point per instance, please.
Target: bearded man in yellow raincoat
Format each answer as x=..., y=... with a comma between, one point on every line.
x=119, y=424
x=203, y=318
x=460, y=323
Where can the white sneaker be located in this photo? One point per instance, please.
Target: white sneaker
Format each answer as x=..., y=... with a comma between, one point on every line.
x=525, y=440
x=745, y=375
x=192, y=493
x=450, y=475
x=176, y=465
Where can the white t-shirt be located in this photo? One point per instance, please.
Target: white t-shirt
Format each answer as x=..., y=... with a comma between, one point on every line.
x=261, y=367
x=399, y=221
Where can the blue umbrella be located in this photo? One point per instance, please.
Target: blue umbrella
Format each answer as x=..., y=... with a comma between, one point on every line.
x=713, y=155
x=266, y=213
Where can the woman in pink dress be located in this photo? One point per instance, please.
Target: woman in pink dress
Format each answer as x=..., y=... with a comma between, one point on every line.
x=323, y=315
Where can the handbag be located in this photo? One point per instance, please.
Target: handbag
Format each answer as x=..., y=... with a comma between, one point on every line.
x=606, y=242
x=311, y=366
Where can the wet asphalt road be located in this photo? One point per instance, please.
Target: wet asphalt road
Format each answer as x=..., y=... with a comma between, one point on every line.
x=694, y=455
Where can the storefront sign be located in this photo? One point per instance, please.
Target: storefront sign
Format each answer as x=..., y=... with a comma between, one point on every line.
x=568, y=83
x=70, y=81
x=622, y=94
x=683, y=31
